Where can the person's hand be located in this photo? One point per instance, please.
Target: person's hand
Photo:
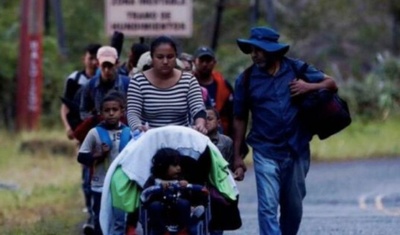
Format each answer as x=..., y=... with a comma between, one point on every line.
x=105, y=148
x=200, y=128
x=102, y=153
x=239, y=169
x=70, y=134
x=183, y=183
x=144, y=127
x=299, y=87
x=164, y=184
x=200, y=125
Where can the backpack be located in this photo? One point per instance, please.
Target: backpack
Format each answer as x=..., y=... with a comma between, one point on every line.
x=125, y=80
x=323, y=112
x=105, y=137
x=73, y=116
x=84, y=126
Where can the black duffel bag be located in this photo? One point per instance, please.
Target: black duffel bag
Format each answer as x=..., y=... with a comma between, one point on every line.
x=324, y=113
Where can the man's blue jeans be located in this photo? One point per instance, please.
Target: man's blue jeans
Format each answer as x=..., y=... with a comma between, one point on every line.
x=280, y=183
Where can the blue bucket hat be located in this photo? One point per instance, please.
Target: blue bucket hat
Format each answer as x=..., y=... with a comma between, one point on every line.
x=264, y=38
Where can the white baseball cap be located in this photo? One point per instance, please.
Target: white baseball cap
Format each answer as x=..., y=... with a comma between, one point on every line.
x=107, y=54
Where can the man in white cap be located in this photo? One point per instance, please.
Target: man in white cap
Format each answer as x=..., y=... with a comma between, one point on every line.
x=280, y=141
x=98, y=87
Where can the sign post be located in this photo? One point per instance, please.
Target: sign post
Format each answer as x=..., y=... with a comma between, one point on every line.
x=146, y=18
x=30, y=77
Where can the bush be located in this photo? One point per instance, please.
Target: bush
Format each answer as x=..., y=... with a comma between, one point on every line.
x=376, y=95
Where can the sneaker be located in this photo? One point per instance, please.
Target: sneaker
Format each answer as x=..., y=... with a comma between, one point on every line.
x=183, y=231
x=131, y=230
x=172, y=228
x=88, y=229
x=198, y=211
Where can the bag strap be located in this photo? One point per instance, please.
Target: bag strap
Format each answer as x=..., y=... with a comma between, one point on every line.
x=125, y=137
x=77, y=76
x=105, y=137
x=301, y=72
x=246, y=86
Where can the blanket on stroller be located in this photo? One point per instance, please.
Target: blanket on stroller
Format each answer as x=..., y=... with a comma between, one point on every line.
x=131, y=169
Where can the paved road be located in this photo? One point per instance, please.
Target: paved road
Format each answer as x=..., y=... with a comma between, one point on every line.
x=351, y=198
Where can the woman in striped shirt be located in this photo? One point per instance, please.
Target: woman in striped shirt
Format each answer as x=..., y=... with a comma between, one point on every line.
x=164, y=95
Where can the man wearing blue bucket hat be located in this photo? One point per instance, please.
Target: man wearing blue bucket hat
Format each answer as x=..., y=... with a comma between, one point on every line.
x=280, y=142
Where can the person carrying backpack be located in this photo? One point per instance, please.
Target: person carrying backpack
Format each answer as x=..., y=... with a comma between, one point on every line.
x=100, y=147
x=69, y=111
x=281, y=152
x=99, y=86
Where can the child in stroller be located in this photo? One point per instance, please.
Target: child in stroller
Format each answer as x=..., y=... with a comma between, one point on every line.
x=170, y=204
x=201, y=164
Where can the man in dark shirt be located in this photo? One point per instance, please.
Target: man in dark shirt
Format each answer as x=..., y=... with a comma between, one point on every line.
x=281, y=151
x=69, y=111
x=219, y=90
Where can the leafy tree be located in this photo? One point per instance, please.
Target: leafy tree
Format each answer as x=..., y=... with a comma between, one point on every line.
x=342, y=37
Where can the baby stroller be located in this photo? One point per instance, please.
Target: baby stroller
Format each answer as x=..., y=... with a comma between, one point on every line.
x=202, y=165
x=199, y=217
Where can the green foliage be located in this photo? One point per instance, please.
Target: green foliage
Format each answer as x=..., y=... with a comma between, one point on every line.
x=341, y=37
x=376, y=96
x=362, y=139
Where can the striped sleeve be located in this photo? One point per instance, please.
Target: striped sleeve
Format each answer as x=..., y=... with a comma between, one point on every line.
x=160, y=107
x=195, y=98
x=134, y=103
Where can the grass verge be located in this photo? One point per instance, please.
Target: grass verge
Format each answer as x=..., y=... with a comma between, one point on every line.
x=360, y=140
x=40, y=191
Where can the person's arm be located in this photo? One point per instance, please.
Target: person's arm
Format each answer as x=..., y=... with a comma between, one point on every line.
x=196, y=106
x=92, y=151
x=135, y=105
x=315, y=80
x=68, y=94
x=85, y=155
x=239, y=130
x=64, y=110
x=299, y=87
x=241, y=113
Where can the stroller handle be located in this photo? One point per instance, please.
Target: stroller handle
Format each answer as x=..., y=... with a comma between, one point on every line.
x=172, y=188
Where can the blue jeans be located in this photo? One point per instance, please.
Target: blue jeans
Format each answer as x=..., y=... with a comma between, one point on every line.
x=119, y=225
x=86, y=188
x=216, y=232
x=280, y=183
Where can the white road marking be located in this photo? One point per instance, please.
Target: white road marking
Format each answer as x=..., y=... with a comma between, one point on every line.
x=378, y=205
x=362, y=202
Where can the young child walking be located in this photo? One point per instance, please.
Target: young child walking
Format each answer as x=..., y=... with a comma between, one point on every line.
x=223, y=142
x=100, y=147
x=166, y=171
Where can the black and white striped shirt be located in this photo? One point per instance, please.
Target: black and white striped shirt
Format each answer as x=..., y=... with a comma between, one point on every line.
x=160, y=107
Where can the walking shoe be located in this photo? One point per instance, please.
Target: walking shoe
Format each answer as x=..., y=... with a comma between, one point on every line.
x=183, y=231
x=88, y=229
x=131, y=230
x=197, y=212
